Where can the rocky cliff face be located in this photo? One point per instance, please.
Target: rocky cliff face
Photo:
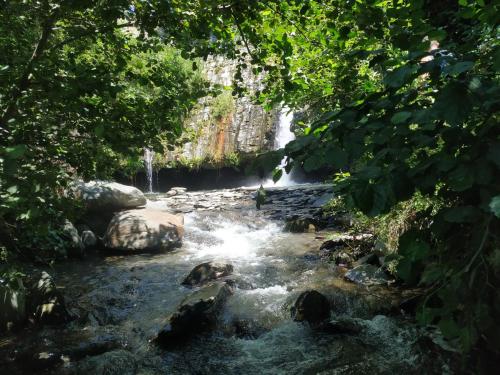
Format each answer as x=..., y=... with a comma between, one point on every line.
x=222, y=126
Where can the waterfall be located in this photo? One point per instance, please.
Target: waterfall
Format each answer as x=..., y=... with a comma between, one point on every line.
x=148, y=163
x=283, y=136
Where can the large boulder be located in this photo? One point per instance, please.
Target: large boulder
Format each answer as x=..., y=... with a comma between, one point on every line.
x=144, y=230
x=196, y=313
x=311, y=306
x=109, y=196
x=207, y=272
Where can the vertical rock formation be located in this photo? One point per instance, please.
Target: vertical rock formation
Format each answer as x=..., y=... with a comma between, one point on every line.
x=223, y=126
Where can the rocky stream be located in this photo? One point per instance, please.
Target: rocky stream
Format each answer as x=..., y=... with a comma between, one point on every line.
x=248, y=291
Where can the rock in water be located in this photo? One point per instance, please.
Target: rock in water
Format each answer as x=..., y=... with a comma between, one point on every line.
x=109, y=196
x=207, y=272
x=312, y=307
x=144, y=230
x=367, y=274
x=89, y=239
x=116, y=362
x=196, y=313
x=75, y=246
x=46, y=303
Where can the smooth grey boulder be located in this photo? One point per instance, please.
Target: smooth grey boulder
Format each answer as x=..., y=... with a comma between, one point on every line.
x=144, y=230
x=208, y=271
x=311, y=306
x=367, y=274
x=109, y=196
x=116, y=362
x=197, y=313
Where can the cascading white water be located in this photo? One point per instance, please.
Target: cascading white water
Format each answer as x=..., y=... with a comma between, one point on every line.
x=148, y=163
x=283, y=136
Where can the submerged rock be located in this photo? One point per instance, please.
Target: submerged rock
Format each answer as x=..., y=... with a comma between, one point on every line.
x=207, y=272
x=109, y=196
x=116, y=362
x=311, y=306
x=46, y=303
x=144, y=230
x=367, y=274
x=196, y=313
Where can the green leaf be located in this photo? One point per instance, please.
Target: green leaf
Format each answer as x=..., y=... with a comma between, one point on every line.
x=400, y=76
x=336, y=157
x=400, y=117
x=277, y=174
x=15, y=152
x=453, y=103
x=12, y=189
x=458, y=68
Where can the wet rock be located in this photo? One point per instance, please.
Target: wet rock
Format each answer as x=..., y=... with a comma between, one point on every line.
x=144, y=230
x=109, y=196
x=311, y=306
x=12, y=305
x=207, y=272
x=300, y=225
x=322, y=200
x=74, y=243
x=367, y=274
x=46, y=303
x=116, y=362
x=370, y=258
x=95, y=346
x=89, y=239
x=198, y=312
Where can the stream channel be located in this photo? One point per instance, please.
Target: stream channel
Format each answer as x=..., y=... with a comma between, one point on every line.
x=121, y=301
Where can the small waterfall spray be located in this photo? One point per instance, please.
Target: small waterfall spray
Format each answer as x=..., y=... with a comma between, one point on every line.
x=148, y=163
x=283, y=136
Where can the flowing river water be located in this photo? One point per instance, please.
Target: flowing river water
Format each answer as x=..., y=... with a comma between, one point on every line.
x=122, y=301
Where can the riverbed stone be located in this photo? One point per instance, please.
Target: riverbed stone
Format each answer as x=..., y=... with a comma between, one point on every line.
x=144, y=230
x=208, y=271
x=109, y=196
x=74, y=244
x=89, y=239
x=197, y=313
x=311, y=306
x=367, y=274
x=46, y=303
x=116, y=362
